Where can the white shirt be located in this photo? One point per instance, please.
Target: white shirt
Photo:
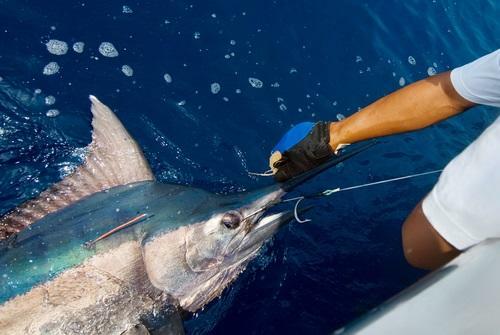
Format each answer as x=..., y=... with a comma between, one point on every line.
x=464, y=206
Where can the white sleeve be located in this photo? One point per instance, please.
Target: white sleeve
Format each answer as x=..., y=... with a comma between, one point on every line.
x=479, y=81
x=464, y=206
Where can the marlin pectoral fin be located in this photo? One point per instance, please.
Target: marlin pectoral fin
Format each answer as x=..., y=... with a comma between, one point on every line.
x=113, y=158
x=172, y=326
x=139, y=329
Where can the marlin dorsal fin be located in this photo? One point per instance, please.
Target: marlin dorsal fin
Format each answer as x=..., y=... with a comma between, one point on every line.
x=113, y=158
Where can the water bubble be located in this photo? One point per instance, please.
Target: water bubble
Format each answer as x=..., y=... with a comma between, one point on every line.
x=107, y=49
x=226, y=56
x=412, y=60
x=50, y=100
x=238, y=91
x=214, y=88
x=226, y=99
x=78, y=47
x=127, y=10
x=340, y=117
x=402, y=81
x=167, y=77
x=256, y=83
x=127, y=70
x=431, y=71
x=359, y=59
x=37, y=91
x=196, y=35
x=434, y=64
x=283, y=107
x=232, y=42
x=57, y=47
x=181, y=103
x=213, y=15
x=51, y=68
x=275, y=84
x=52, y=113
x=293, y=70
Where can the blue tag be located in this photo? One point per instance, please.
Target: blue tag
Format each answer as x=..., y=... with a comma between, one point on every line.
x=293, y=136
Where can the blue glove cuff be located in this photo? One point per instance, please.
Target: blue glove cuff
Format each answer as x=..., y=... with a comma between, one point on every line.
x=293, y=136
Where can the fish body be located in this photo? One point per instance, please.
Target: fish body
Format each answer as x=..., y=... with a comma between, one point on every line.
x=109, y=248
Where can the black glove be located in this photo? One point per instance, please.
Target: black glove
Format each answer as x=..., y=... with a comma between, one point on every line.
x=310, y=151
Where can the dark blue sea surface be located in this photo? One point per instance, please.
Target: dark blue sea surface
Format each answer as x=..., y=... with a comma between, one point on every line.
x=316, y=59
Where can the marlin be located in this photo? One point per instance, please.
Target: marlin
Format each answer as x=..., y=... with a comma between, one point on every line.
x=109, y=250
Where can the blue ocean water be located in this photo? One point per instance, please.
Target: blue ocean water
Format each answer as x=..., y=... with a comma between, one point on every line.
x=316, y=59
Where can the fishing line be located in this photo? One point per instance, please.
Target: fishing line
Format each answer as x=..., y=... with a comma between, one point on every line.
x=336, y=190
x=328, y=192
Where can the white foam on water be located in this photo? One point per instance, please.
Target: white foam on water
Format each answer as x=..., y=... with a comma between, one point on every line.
x=196, y=35
x=213, y=15
x=78, y=47
x=181, y=103
x=238, y=91
x=434, y=64
x=412, y=60
x=232, y=42
x=50, y=100
x=293, y=70
x=215, y=88
x=107, y=49
x=226, y=56
x=431, y=71
x=57, y=47
x=37, y=91
x=226, y=99
x=127, y=70
x=275, y=84
x=283, y=107
x=127, y=10
x=256, y=83
x=51, y=68
x=402, y=81
x=340, y=116
x=52, y=113
x=167, y=77
x=359, y=59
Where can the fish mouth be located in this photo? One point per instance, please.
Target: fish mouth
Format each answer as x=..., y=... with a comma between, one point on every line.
x=265, y=227
x=279, y=219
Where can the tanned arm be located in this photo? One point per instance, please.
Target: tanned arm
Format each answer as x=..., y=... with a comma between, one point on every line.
x=413, y=107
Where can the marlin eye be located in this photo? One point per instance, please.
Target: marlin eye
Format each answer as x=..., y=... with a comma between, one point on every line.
x=231, y=220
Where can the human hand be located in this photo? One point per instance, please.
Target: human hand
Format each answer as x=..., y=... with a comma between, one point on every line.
x=302, y=148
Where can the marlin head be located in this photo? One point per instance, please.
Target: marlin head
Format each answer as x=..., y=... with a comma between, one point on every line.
x=195, y=262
